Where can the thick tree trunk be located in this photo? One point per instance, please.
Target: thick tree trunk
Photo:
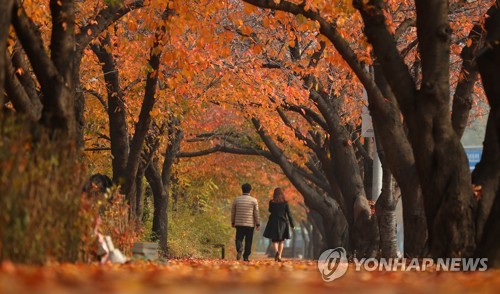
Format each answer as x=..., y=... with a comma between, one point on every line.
x=399, y=157
x=440, y=157
x=363, y=229
x=488, y=246
x=58, y=111
x=54, y=72
x=486, y=176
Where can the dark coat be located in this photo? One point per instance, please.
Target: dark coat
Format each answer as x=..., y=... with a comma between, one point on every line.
x=277, y=227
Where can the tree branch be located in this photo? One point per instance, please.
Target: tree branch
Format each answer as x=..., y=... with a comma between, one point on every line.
x=387, y=53
x=103, y=20
x=462, y=99
x=16, y=93
x=29, y=36
x=403, y=26
x=98, y=96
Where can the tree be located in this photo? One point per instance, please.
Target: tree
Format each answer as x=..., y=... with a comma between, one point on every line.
x=486, y=176
x=439, y=157
x=56, y=73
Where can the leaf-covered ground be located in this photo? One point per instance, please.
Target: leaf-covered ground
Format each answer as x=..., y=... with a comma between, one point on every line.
x=217, y=276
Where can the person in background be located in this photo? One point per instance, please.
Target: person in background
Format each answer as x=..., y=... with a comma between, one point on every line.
x=277, y=228
x=245, y=217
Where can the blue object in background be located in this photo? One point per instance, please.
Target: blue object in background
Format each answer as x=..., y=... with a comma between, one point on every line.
x=474, y=155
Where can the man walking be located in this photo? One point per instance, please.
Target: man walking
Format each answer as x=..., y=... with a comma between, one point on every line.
x=245, y=216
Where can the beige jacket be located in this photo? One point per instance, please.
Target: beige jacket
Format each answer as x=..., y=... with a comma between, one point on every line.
x=245, y=211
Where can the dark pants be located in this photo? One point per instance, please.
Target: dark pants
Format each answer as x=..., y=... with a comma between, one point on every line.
x=247, y=234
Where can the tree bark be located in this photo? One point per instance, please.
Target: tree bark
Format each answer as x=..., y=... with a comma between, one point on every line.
x=317, y=239
x=143, y=124
x=103, y=19
x=441, y=160
x=386, y=212
x=17, y=94
x=160, y=202
x=439, y=156
x=334, y=222
x=329, y=30
x=368, y=167
x=139, y=195
x=399, y=157
x=53, y=73
x=486, y=175
x=306, y=241
x=462, y=99
x=5, y=17
x=118, y=130
x=161, y=183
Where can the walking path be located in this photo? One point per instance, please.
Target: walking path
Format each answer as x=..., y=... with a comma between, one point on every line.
x=219, y=276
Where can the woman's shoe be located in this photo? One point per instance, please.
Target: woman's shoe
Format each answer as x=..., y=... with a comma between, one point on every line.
x=279, y=259
x=276, y=256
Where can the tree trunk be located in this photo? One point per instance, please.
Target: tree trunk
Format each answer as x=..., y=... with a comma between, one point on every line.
x=486, y=175
x=368, y=167
x=24, y=102
x=139, y=193
x=439, y=156
x=160, y=203
x=305, y=239
x=357, y=210
x=118, y=130
x=399, y=157
x=79, y=100
x=488, y=246
x=143, y=124
x=462, y=99
x=386, y=213
x=54, y=73
x=5, y=16
x=318, y=241
x=334, y=222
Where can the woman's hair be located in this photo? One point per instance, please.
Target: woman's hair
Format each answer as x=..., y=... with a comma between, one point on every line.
x=278, y=196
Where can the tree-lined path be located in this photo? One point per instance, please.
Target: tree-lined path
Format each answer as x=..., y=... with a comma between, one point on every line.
x=219, y=276
x=141, y=119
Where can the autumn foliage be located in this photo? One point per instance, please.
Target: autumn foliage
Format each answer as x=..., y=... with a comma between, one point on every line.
x=180, y=102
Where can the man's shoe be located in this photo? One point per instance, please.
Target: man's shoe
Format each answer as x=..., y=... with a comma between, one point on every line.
x=246, y=259
x=238, y=255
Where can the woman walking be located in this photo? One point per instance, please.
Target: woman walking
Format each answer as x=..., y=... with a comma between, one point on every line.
x=277, y=227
